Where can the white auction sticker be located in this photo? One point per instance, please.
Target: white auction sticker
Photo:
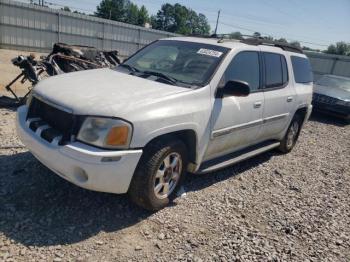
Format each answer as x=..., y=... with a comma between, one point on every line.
x=209, y=52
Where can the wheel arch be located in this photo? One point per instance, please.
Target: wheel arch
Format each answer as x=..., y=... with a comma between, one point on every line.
x=187, y=136
x=302, y=112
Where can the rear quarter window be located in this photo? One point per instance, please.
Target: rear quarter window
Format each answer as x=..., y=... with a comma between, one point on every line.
x=302, y=70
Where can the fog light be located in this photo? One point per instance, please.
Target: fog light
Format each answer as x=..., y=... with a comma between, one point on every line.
x=80, y=175
x=111, y=158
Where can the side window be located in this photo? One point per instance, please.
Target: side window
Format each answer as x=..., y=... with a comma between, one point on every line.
x=302, y=69
x=245, y=67
x=276, y=71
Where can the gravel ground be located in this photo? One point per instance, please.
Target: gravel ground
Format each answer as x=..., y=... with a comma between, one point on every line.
x=274, y=207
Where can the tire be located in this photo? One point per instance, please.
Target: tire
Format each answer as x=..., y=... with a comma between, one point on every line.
x=157, y=177
x=292, y=134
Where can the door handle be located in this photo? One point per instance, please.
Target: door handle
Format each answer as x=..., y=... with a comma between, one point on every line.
x=289, y=99
x=257, y=104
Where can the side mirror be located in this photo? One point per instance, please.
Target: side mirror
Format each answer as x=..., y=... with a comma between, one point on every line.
x=234, y=88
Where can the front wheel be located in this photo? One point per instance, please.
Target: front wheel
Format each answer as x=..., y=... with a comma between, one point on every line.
x=291, y=136
x=159, y=174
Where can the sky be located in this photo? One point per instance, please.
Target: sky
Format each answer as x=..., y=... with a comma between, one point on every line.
x=314, y=23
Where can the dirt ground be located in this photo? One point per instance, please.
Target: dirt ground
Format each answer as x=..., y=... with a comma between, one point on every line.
x=274, y=207
x=8, y=71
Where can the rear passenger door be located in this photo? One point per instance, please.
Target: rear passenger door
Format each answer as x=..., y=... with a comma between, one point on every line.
x=279, y=94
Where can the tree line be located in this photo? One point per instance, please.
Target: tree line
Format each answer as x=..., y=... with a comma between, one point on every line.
x=340, y=48
x=171, y=18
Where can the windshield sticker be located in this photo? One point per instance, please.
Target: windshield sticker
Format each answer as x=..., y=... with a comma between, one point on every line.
x=209, y=52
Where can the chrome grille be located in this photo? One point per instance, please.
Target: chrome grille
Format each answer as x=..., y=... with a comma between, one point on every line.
x=50, y=123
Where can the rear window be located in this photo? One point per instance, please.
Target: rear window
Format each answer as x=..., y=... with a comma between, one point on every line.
x=276, y=72
x=302, y=70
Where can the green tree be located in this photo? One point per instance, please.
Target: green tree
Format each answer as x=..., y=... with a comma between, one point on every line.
x=66, y=8
x=268, y=38
x=340, y=48
x=257, y=34
x=236, y=35
x=112, y=9
x=179, y=19
x=143, y=16
x=122, y=11
x=132, y=14
x=282, y=40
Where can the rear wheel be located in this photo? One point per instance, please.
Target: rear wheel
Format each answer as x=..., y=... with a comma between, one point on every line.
x=159, y=174
x=291, y=136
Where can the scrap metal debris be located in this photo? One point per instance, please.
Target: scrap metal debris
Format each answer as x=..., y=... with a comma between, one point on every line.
x=63, y=59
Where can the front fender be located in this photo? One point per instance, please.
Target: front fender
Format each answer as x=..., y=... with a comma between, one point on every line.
x=185, y=111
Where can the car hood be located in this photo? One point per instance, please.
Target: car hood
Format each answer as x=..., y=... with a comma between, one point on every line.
x=102, y=91
x=336, y=92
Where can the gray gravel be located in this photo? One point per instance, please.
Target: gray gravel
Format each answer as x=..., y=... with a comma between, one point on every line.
x=274, y=207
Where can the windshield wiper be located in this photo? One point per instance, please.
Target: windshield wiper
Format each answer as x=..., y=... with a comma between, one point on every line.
x=161, y=75
x=131, y=68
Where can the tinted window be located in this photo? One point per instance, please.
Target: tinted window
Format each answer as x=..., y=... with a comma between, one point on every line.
x=302, y=69
x=276, y=72
x=244, y=67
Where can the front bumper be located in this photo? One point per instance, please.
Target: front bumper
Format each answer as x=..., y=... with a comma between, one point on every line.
x=81, y=164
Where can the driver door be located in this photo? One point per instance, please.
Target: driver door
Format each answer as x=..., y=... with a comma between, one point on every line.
x=236, y=121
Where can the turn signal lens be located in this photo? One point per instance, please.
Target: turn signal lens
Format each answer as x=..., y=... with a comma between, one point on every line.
x=117, y=136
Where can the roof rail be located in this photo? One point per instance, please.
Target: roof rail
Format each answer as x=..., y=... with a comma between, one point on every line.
x=253, y=40
x=282, y=45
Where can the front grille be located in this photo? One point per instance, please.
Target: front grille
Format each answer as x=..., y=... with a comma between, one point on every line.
x=53, y=122
x=324, y=99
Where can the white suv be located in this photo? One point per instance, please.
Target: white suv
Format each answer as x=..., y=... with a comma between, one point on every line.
x=177, y=105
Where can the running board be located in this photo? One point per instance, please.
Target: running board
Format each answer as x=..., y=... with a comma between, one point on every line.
x=233, y=158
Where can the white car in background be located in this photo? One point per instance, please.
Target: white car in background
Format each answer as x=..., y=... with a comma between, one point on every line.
x=332, y=95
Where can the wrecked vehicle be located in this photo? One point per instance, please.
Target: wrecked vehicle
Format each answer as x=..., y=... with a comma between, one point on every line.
x=332, y=96
x=62, y=59
x=178, y=105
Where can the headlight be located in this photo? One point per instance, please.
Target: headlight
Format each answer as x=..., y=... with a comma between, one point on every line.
x=105, y=132
x=343, y=103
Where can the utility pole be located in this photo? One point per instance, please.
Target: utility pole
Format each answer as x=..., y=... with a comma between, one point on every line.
x=217, y=22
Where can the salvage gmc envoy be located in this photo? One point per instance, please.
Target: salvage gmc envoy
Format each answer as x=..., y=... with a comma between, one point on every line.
x=178, y=105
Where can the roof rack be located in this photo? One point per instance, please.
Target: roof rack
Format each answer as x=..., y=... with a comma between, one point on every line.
x=253, y=40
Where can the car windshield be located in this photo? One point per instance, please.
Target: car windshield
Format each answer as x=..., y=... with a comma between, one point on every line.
x=177, y=62
x=334, y=82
